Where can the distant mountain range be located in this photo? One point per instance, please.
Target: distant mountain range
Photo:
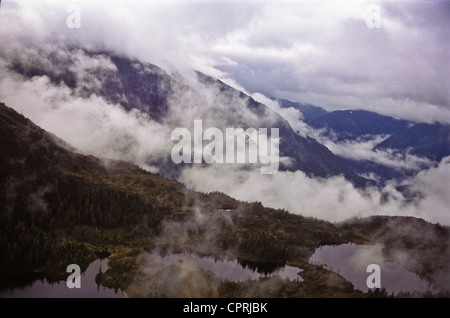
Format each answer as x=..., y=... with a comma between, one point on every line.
x=430, y=141
x=352, y=124
x=348, y=124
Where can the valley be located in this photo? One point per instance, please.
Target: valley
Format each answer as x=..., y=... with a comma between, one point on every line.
x=60, y=207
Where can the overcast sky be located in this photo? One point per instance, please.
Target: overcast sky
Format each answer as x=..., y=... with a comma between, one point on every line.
x=320, y=52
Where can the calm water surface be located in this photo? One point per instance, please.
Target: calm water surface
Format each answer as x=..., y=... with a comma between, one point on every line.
x=229, y=269
x=42, y=288
x=351, y=261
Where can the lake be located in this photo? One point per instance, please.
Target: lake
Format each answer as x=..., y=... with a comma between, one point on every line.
x=42, y=288
x=225, y=268
x=351, y=261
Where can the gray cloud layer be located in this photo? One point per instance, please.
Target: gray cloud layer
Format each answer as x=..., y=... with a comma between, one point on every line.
x=319, y=52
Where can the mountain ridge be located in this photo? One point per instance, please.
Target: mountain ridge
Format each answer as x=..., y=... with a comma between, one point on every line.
x=431, y=141
x=143, y=86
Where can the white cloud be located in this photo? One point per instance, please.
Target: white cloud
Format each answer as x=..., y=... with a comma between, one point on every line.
x=94, y=126
x=319, y=52
x=333, y=199
x=293, y=116
x=363, y=150
x=91, y=124
x=433, y=183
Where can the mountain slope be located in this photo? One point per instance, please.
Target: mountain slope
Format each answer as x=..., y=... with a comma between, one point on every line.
x=359, y=130
x=306, y=153
x=170, y=101
x=310, y=112
x=347, y=129
x=431, y=141
x=58, y=208
x=351, y=124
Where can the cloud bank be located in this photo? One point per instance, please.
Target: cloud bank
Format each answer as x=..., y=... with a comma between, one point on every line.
x=333, y=199
x=319, y=52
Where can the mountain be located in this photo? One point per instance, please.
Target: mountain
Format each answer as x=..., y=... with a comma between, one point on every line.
x=45, y=187
x=310, y=112
x=347, y=124
x=146, y=87
x=123, y=81
x=382, y=172
x=353, y=124
x=59, y=207
x=306, y=153
x=431, y=141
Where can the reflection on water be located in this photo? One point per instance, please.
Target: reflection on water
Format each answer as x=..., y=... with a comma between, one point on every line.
x=42, y=288
x=351, y=261
x=229, y=269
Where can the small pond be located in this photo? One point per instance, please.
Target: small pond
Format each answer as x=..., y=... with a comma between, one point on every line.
x=225, y=268
x=351, y=261
x=32, y=287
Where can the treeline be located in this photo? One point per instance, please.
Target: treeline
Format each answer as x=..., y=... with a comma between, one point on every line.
x=46, y=190
x=29, y=220
x=276, y=235
x=37, y=199
x=263, y=245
